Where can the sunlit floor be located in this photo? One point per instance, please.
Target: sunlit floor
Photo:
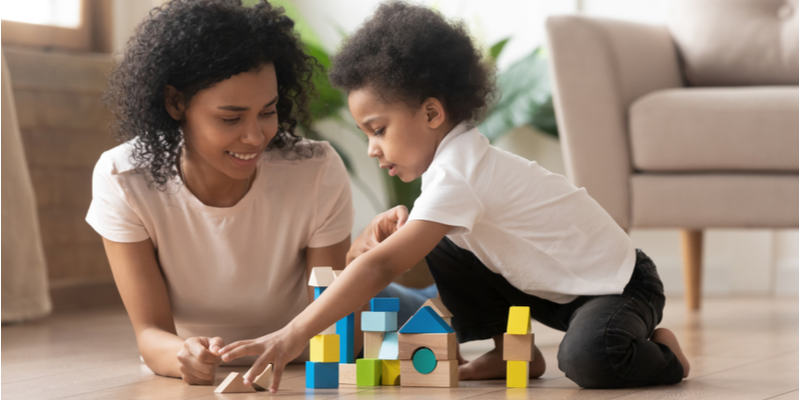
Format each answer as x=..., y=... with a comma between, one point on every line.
x=740, y=348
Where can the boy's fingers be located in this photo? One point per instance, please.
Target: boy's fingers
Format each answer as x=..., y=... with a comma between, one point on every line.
x=277, y=371
x=258, y=367
x=401, y=215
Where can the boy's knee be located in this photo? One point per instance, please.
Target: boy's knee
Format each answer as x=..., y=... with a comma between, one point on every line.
x=586, y=364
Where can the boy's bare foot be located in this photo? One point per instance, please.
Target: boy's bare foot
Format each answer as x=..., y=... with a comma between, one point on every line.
x=666, y=337
x=492, y=366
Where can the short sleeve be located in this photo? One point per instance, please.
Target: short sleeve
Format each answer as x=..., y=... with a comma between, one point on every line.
x=110, y=213
x=335, y=213
x=447, y=198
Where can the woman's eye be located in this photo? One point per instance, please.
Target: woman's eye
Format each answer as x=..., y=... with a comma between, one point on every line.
x=269, y=113
x=230, y=120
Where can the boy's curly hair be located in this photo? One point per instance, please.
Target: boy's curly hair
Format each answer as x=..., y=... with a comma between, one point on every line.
x=191, y=45
x=410, y=53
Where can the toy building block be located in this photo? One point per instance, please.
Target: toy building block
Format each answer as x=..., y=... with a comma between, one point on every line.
x=444, y=346
x=517, y=374
x=437, y=305
x=234, y=383
x=324, y=349
x=518, y=347
x=368, y=372
x=345, y=328
x=390, y=372
x=322, y=375
x=444, y=375
x=372, y=344
x=318, y=291
x=519, y=321
x=424, y=361
x=347, y=374
x=263, y=381
x=389, y=348
x=321, y=277
x=378, y=321
x=426, y=321
x=391, y=304
x=336, y=273
x=331, y=330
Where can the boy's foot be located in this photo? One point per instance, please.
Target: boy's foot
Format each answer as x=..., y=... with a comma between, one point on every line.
x=666, y=337
x=492, y=366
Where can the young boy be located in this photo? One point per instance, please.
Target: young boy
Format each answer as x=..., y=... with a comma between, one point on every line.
x=496, y=229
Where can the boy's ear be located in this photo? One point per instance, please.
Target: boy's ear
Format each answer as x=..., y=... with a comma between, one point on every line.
x=173, y=101
x=434, y=111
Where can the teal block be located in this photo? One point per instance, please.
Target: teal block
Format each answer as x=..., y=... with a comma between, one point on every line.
x=424, y=360
x=368, y=372
x=391, y=304
x=389, y=350
x=426, y=321
x=322, y=375
x=378, y=321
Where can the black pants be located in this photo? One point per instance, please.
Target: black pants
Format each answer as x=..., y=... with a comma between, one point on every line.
x=606, y=343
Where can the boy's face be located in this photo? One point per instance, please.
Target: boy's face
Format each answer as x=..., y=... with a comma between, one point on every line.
x=403, y=139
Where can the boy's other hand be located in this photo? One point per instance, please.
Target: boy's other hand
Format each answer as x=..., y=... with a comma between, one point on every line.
x=381, y=227
x=199, y=359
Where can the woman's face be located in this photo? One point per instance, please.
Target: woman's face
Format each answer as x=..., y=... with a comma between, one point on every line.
x=228, y=125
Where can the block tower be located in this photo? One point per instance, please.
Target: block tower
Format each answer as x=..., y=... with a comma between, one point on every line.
x=322, y=371
x=380, y=365
x=427, y=349
x=345, y=328
x=518, y=347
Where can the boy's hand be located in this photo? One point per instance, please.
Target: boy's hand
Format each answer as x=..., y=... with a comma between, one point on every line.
x=199, y=360
x=381, y=227
x=277, y=348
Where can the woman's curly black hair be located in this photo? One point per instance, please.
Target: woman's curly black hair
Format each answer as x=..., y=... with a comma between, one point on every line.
x=410, y=53
x=191, y=45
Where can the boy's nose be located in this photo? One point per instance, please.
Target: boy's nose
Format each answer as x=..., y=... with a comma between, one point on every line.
x=373, y=150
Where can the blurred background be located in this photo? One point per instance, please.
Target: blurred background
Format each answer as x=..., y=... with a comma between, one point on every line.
x=57, y=54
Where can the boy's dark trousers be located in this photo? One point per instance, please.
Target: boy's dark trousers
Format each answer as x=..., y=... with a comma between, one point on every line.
x=606, y=343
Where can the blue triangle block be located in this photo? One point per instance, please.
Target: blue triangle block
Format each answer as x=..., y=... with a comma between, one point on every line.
x=426, y=321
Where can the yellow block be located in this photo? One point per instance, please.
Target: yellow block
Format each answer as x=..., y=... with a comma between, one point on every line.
x=324, y=348
x=519, y=321
x=390, y=372
x=517, y=374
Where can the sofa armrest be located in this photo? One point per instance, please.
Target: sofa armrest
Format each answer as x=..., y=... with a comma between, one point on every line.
x=599, y=67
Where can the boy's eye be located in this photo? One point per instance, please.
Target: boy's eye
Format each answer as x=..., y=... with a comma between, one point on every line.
x=379, y=131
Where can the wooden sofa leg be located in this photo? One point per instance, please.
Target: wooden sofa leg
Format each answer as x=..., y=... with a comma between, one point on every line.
x=692, y=248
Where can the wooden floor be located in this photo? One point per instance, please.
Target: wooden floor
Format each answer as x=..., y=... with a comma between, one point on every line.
x=743, y=348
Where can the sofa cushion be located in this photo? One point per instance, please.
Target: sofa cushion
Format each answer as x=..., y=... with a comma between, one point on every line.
x=737, y=42
x=716, y=129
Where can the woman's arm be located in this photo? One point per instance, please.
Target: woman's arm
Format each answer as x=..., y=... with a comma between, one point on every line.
x=362, y=280
x=144, y=292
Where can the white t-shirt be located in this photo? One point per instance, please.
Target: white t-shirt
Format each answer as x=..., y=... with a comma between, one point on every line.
x=237, y=272
x=542, y=234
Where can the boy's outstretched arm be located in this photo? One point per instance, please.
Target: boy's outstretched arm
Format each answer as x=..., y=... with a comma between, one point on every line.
x=381, y=227
x=360, y=281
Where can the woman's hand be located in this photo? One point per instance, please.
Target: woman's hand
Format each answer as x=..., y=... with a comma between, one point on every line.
x=199, y=359
x=277, y=348
x=381, y=227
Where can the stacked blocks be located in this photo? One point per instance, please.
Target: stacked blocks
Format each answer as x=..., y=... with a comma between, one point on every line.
x=345, y=328
x=427, y=351
x=322, y=371
x=380, y=365
x=518, y=347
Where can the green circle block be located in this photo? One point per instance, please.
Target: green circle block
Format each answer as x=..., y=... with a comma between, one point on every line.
x=424, y=360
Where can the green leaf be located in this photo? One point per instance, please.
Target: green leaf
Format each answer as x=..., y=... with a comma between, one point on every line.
x=497, y=48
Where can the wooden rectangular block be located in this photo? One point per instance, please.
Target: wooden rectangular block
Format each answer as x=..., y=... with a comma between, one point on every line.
x=390, y=372
x=372, y=344
x=347, y=374
x=443, y=345
x=324, y=348
x=368, y=372
x=385, y=304
x=379, y=321
x=444, y=375
x=518, y=347
x=345, y=328
x=519, y=321
x=517, y=374
x=322, y=375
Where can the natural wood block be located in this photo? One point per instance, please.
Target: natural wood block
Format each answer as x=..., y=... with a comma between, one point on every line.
x=519, y=321
x=263, y=380
x=518, y=347
x=347, y=374
x=321, y=277
x=390, y=372
x=372, y=344
x=331, y=330
x=324, y=349
x=437, y=305
x=234, y=384
x=444, y=375
x=517, y=374
x=443, y=345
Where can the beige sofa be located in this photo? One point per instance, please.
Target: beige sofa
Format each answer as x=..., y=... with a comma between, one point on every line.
x=692, y=125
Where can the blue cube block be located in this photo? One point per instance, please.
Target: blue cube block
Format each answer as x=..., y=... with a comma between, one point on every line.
x=322, y=375
x=318, y=291
x=345, y=328
x=385, y=304
x=378, y=321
